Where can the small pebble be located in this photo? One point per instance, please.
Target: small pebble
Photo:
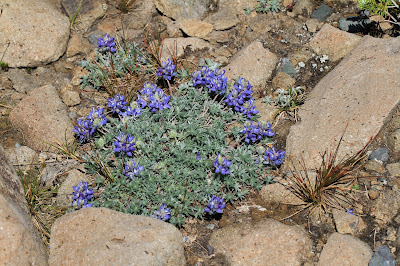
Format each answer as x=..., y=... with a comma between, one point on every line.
x=373, y=194
x=211, y=226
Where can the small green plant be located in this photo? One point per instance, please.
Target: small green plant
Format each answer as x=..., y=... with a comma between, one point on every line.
x=124, y=5
x=386, y=8
x=332, y=184
x=3, y=65
x=40, y=201
x=264, y=6
x=72, y=19
x=287, y=101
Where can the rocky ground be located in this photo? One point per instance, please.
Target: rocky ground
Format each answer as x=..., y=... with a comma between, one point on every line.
x=351, y=87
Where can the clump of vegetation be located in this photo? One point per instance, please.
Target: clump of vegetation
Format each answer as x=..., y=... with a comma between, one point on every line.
x=178, y=155
x=264, y=6
x=287, y=101
x=40, y=201
x=124, y=5
x=386, y=8
x=332, y=184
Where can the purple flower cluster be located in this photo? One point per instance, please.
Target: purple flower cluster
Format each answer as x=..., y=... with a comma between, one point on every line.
x=106, y=44
x=274, y=157
x=215, y=205
x=256, y=131
x=240, y=98
x=87, y=127
x=167, y=71
x=81, y=195
x=119, y=105
x=153, y=97
x=132, y=169
x=221, y=165
x=124, y=144
x=214, y=80
x=163, y=213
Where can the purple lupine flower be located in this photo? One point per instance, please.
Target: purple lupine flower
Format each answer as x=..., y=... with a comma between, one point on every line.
x=240, y=98
x=106, y=44
x=132, y=169
x=153, y=97
x=163, y=213
x=215, y=205
x=274, y=157
x=221, y=165
x=87, y=127
x=350, y=211
x=214, y=80
x=167, y=71
x=117, y=103
x=198, y=157
x=81, y=195
x=124, y=144
x=159, y=101
x=256, y=131
x=133, y=110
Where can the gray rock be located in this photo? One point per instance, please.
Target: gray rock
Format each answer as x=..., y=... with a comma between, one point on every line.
x=339, y=100
x=22, y=156
x=99, y=236
x=322, y=12
x=19, y=241
x=354, y=24
x=41, y=116
x=382, y=257
x=178, y=9
x=33, y=33
x=287, y=67
x=380, y=154
x=267, y=242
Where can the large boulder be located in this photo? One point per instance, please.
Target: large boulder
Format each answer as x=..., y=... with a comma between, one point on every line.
x=42, y=117
x=100, y=236
x=354, y=99
x=20, y=243
x=268, y=242
x=32, y=33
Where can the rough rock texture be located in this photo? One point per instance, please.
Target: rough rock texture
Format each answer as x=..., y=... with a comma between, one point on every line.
x=354, y=93
x=277, y=193
x=267, y=241
x=345, y=250
x=195, y=28
x=89, y=12
x=22, y=156
x=237, y=6
x=41, y=116
x=333, y=42
x=100, y=236
x=386, y=207
x=177, y=9
x=254, y=63
x=178, y=45
x=19, y=240
x=224, y=19
x=77, y=45
x=32, y=33
x=347, y=223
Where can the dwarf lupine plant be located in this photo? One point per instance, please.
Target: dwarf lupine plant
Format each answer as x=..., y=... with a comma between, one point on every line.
x=82, y=195
x=176, y=153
